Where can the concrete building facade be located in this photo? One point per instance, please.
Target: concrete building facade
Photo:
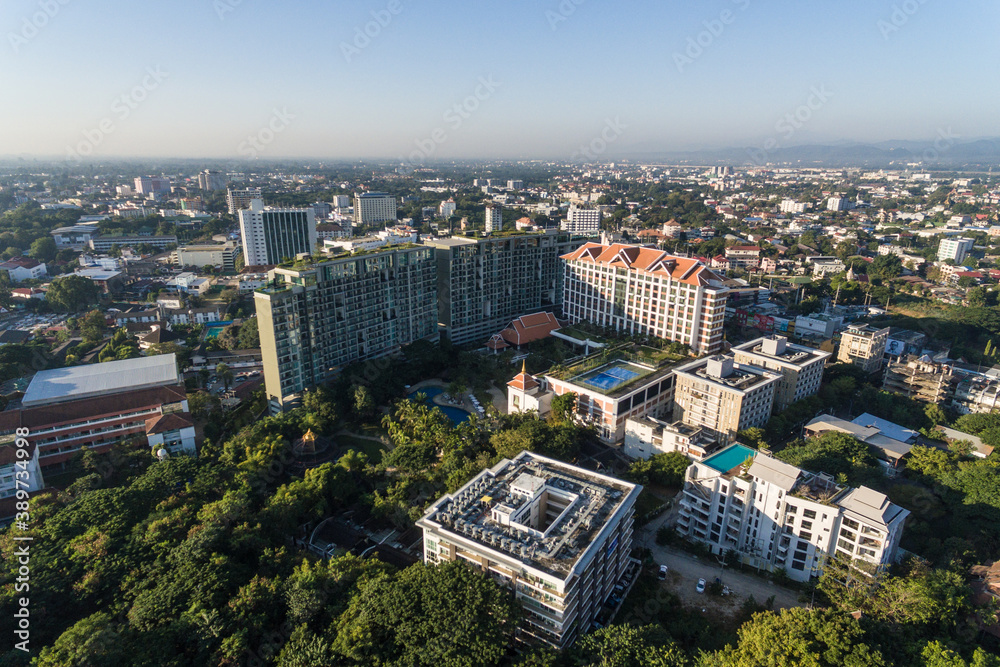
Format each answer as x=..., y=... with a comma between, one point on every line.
x=557, y=535
x=801, y=367
x=270, y=235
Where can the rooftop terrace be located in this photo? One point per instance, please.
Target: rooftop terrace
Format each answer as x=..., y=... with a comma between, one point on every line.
x=613, y=371
x=536, y=510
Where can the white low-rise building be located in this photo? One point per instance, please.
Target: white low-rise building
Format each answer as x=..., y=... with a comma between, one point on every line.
x=777, y=516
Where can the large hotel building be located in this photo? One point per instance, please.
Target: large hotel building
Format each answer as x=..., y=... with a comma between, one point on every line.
x=316, y=320
x=557, y=535
x=646, y=291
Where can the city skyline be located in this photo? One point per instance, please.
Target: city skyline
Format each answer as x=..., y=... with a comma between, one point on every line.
x=574, y=80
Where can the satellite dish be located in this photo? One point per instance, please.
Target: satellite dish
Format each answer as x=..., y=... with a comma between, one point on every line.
x=162, y=454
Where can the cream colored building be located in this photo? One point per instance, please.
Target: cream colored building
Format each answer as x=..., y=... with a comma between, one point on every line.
x=640, y=290
x=801, y=367
x=222, y=255
x=648, y=436
x=863, y=346
x=557, y=535
x=722, y=396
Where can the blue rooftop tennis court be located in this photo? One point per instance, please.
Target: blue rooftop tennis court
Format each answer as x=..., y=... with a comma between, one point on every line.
x=729, y=458
x=609, y=378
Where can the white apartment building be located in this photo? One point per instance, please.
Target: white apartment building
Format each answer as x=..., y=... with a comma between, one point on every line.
x=777, y=516
x=494, y=218
x=801, y=367
x=446, y=209
x=557, y=535
x=222, y=255
x=839, y=204
x=645, y=291
x=373, y=208
x=954, y=249
x=583, y=221
x=792, y=206
x=863, y=346
x=271, y=235
x=724, y=397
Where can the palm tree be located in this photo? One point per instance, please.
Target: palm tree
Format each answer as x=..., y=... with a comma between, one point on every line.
x=225, y=374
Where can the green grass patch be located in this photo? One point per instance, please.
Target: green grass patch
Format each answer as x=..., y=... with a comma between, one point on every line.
x=373, y=450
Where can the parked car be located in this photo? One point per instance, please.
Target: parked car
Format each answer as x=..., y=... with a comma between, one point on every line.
x=701, y=586
x=663, y=572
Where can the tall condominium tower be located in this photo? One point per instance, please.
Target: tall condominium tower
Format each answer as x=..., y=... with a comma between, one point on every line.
x=240, y=199
x=494, y=218
x=483, y=283
x=211, y=181
x=316, y=321
x=271, y=235
x=646, y=291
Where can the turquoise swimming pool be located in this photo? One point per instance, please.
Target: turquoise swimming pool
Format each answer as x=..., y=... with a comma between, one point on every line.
x=215, y=328
x=456, y=415
x=729, y=458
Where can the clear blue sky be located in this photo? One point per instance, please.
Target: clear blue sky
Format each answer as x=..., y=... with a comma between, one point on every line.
x=560, y=81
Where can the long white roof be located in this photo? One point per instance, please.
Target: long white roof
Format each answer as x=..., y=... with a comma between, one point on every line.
x=112, y=377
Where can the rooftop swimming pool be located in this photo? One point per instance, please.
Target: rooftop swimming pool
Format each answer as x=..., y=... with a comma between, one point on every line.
x=729, y=458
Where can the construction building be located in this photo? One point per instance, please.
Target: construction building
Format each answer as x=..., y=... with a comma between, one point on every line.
x=920, y=378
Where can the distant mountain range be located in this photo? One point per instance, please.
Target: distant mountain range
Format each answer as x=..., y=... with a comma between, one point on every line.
x=944, y=153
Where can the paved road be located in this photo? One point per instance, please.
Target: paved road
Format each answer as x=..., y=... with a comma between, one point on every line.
x=691, y=569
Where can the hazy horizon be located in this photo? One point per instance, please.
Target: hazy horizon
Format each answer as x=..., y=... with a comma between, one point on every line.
x=235, y=79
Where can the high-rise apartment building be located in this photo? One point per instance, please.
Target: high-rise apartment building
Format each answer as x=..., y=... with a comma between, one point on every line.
x=238, y=200
x=801, y=367
x=373, y=208
x=515, y=184
x=315, y=321
x=955, y=249
x=863, y=346
x=582, y=221
x=210, y=180
x=152, y=185
x=271, y=235
x=557, y=535
x=723, y=397
x=484, y=283
x=645, y=291
x=778, y=517
x=494, y=218
x=340, y=201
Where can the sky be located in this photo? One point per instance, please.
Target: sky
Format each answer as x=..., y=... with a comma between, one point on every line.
x=546, y=79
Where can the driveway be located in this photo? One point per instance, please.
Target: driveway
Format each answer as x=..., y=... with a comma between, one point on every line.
x=687, y=569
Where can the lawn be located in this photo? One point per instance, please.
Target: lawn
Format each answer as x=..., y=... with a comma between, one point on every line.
x=369, y=448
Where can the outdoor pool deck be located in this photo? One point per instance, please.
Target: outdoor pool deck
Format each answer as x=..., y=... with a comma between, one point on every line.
x=613, y=375
x=729, y=458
